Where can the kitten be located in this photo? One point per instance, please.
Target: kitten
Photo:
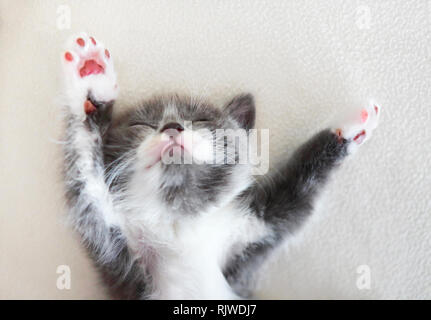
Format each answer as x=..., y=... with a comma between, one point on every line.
x=163, y=230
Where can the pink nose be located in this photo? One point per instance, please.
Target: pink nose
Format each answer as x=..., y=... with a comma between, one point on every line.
x=172, y=127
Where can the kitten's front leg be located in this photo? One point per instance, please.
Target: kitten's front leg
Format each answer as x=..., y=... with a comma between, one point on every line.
x=289, y=199
x=286, y=199
x=90, y=90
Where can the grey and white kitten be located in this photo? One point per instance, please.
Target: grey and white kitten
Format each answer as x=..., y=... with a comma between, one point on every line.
x=180, y=231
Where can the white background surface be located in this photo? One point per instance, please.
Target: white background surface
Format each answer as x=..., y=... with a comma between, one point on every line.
x=305, y=62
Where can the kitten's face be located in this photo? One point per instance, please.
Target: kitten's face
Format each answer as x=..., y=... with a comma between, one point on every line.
x=186, y=150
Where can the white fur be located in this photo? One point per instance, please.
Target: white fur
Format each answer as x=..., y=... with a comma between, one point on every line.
x=186, y=254
x=353, y=125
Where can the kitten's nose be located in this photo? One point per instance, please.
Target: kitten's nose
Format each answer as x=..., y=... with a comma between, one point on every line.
x=172, y=126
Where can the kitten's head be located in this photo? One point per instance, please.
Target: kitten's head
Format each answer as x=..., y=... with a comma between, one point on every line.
x=190, y=154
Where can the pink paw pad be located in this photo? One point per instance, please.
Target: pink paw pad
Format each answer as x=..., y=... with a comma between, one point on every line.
x=359, y=138
x=364, y=115
x=376, y=109
x=68, y=56
x=80, y=42
x=88, y=71
x=90, y=67
x=90, y=59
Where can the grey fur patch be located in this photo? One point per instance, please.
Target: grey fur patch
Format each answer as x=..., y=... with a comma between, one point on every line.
x=284, y=201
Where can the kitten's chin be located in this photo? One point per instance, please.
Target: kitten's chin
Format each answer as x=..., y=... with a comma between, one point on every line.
x=176, y=155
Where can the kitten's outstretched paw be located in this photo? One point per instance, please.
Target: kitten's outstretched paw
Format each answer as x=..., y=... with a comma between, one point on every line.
x=358, y=127
x=88, y=70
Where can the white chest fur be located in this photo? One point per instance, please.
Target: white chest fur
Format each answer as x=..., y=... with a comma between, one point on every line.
x=185, y=255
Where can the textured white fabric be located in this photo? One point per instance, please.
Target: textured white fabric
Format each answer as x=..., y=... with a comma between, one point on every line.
x=305, y=61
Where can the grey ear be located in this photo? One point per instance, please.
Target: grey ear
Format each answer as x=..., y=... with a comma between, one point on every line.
x=242, y=110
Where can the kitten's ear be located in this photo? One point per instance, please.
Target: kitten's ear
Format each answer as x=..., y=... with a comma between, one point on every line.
x=242, y=110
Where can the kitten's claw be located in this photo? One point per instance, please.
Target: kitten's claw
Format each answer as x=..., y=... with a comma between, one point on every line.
x=88, y=70
x=358, y=127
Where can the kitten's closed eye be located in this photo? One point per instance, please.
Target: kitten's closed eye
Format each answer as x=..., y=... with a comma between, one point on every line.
x=202, y=120
x=145, y=124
